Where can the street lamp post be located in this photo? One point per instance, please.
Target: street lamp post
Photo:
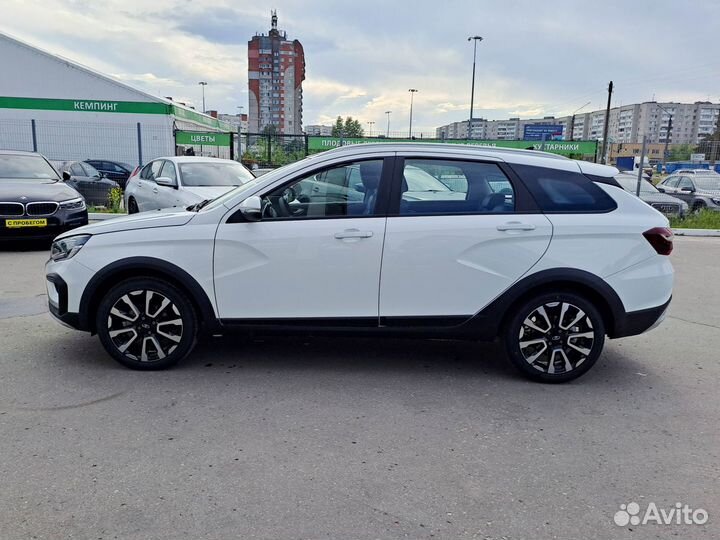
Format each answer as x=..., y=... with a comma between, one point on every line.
x=572, y=120
x=203, y=84
x=475, y=40
x=371, y=124
x=412, y=93
x=387, y=133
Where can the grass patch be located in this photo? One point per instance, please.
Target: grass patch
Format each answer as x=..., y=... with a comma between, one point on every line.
x=104, y=210
x=705, y=219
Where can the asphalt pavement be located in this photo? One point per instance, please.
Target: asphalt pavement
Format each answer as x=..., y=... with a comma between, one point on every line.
x=355, y=438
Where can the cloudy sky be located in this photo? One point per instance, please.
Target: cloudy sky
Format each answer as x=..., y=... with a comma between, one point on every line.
x=537, y=58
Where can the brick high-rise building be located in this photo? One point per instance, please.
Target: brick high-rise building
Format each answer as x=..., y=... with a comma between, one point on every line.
x=276, y=70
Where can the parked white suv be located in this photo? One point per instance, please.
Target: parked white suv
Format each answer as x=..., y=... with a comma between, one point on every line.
x=548, y=253
x=182, y=181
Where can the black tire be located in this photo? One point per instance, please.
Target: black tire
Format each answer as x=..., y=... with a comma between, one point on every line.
x=160, y=334
x=698, y=206
x=132, y=206
x=557, y=349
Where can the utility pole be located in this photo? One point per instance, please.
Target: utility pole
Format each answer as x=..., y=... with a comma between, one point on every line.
x=475, y=40
x=667, y=142
x=412, y=93
x=607, y=124
x=642, y=163
x=387, y=133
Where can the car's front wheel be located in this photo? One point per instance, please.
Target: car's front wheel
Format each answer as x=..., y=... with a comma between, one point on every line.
x=555, y=337
x=146, y=324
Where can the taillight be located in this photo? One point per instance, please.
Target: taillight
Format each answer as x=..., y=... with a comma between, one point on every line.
x=661, y=239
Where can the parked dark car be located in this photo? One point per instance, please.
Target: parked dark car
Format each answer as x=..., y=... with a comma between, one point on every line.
x=89, y=182
x=700, y=191
x=34, y=203
x=114, y=170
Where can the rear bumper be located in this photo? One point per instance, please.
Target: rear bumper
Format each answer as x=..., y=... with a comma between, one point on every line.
x=636, y=322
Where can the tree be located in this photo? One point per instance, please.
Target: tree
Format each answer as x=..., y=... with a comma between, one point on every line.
x=270, y=129
x=348, y=128
x=338, y=130
x=681, y=152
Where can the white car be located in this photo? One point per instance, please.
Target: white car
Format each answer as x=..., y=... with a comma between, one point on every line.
x=182, y=181
x=547, y=253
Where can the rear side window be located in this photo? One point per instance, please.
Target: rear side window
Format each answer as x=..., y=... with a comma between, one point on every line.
x=564, y=191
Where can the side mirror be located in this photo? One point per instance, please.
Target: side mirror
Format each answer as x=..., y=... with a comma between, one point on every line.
x=360, y=188
x=165, y=181
x=251, y=208
x=65, y=176
x=661, y=190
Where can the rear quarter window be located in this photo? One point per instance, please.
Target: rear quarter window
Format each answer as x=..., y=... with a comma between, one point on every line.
x=564, y=191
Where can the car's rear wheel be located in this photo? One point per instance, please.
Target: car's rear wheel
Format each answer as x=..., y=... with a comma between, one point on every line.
x=146, y=324
x=698, y=206
x=555, y=337
x=132, y=206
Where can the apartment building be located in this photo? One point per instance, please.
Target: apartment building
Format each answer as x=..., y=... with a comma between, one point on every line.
x=276, y=70
x=627, y=124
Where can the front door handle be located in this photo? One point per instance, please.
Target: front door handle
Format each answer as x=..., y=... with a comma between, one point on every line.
x=353, y=233
x=155, y=190
x=516, y=226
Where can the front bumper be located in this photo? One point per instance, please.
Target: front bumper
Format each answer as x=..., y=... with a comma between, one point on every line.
x=59, y=222
x=57, y=293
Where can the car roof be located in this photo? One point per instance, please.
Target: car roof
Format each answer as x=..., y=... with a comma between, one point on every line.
x=509, y=155
x=19, y=153
x=195, y=159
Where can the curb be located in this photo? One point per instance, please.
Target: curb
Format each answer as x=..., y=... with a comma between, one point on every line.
x=101, y=216
x=697, y=232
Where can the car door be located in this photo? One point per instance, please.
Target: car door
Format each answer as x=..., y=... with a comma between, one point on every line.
x=449, y=253
x=80, y=181
x=310, y=256
x=167, y=196
x=146, y=187
x=685, y=189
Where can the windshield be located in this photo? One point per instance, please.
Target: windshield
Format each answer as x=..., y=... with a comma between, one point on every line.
x=708, y=183
x=629, y=183
x=419, y=180
x=29, y=167
x=214, y=174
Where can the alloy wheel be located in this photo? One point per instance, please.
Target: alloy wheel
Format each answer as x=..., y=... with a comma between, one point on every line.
x=556, y=337
x=144, y=325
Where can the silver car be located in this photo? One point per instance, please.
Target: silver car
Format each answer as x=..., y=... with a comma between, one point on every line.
x=670, y=206
x=182, y=182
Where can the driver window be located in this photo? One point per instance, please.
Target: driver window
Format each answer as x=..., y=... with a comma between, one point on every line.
x=348, y=190
x=685, y=183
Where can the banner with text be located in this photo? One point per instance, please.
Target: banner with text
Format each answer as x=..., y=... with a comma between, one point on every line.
x=585, y=148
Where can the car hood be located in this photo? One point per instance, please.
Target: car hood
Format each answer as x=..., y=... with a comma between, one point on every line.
x=207, y=192
x=169, y=217
x=662, y=198
x=12, y=191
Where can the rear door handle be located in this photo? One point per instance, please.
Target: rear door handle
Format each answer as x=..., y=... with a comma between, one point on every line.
x=516, y=226
x=353, y=233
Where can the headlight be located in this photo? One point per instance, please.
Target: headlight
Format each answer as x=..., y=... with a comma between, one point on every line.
x=716, y=200
x=73, y=204
x=66, y=248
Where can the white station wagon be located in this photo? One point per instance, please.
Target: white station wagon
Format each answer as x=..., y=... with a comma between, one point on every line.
x=546, y=253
